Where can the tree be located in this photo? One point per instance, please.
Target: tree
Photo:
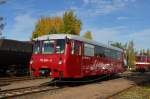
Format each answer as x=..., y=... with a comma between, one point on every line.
x=2, y=1
x=118, y=45
x=71, y=24
x=1, y=19
x=48, y=25
x=144, y=52
x=130, y=55
x=88, y=35
x=141, y=52
x=148, y=52
x=1, y=25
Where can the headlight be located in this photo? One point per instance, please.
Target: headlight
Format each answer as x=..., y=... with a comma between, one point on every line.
x=31, y=62
x=60, y=62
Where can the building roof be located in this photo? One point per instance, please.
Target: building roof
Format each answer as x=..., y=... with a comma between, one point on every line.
x=75, y=37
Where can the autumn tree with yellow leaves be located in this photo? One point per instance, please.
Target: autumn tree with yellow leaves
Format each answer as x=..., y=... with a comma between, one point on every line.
x=72, y=25
x=88, y=35
x=48, y=25
x=68, y=24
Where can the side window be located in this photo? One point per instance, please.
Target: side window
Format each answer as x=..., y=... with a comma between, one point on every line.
x=99, y=51
x=113, y=54
x=118, y=55
x=88, y=50
x=60, y=46
x=107, y=53
x=75, y=47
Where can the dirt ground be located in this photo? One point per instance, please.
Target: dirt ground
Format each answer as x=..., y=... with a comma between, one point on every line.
x=99, y=90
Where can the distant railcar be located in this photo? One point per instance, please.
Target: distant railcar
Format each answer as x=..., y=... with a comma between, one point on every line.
x=14, y=56
x=70, y=56
x=142, y=63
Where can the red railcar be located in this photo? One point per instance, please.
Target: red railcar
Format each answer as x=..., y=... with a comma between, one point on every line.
x=70, y=56
x=142, y=63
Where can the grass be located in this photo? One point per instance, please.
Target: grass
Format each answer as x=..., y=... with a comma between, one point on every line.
x=138, y=92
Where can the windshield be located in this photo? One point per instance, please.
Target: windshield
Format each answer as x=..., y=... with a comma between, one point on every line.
x=49, y=47
x=36, y=48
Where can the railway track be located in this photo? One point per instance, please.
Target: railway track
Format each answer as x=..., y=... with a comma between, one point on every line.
x=26, y=90
x=12, y=79
x=40, y=88
x=35, y=89
x=9, y=80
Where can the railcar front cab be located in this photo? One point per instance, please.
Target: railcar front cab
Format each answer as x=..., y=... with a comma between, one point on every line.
x=47, y=58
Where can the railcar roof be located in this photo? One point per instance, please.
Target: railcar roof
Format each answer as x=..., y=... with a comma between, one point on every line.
x=14, y=45
x=75, y=37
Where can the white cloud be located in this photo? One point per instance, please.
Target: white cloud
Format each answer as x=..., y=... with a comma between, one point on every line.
x=23, y=26
x=102, y=7
x=122, y=18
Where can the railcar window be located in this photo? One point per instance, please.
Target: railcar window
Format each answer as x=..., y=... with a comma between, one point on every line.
x=115, y=54
x=104, y=52
x=36, y=48
x=48, y=47
x=60, y=46
x=118, y=55
x=75, y=48
x=99, y=51
x=88, y=50
x=107, y=53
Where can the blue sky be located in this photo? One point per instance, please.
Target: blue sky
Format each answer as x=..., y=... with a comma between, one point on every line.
x=108, y=20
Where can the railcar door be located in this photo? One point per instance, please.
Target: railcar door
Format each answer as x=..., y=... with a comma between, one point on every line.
x=74, y=68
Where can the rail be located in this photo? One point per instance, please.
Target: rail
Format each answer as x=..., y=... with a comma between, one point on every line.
x=25, y=90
